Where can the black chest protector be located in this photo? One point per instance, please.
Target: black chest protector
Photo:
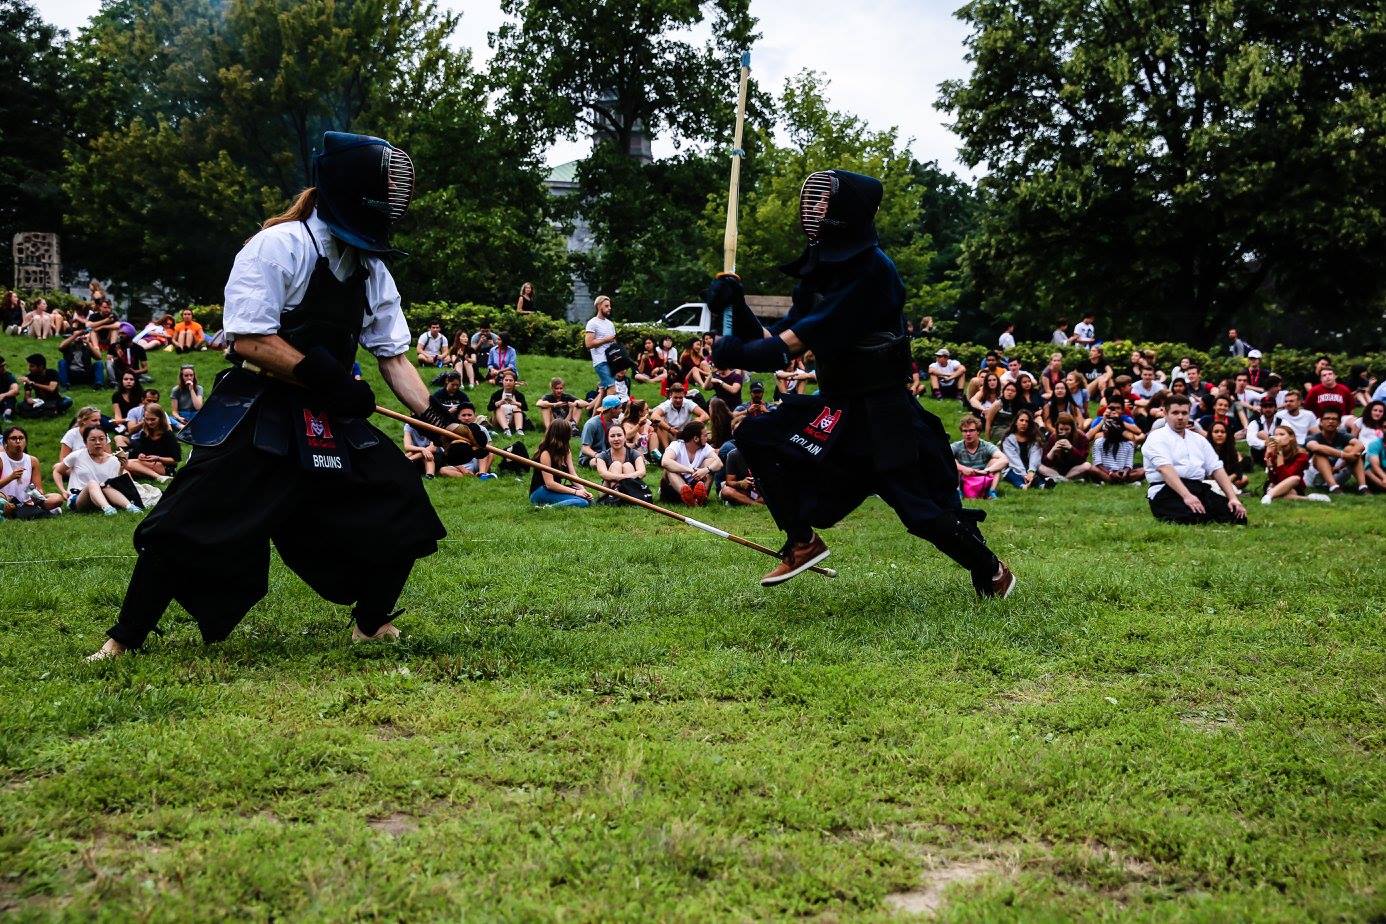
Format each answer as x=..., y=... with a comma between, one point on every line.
x=331, y=313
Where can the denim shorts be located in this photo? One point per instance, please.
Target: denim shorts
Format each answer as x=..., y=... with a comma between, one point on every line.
x=604, y=377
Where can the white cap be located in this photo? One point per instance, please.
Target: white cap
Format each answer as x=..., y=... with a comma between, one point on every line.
x=1254, y=354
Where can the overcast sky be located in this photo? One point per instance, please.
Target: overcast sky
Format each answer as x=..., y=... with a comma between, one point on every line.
x=884, y=59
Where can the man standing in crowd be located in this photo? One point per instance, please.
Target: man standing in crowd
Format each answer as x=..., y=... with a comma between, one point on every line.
x=1177, y=463
x=816, y=458
x=1236, y=345
x=298, y=464
x=599, y=334
x=431, y=345
x=1060, y=336
x=1329, y=394
x=1336, y=456
x=1084, y=333
x=1006, y=342
x=946, y=375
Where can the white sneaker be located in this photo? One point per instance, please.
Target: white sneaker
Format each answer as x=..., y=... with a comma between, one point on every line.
x=1267, y=500
x=1321, y=498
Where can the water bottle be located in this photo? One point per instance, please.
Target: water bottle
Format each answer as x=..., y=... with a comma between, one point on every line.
x=35, y=495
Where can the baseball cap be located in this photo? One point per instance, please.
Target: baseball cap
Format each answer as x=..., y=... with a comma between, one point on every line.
x=943, y=351
x=610, y=401
x=755, y=386
x=1254, y=354
x=1268, y=399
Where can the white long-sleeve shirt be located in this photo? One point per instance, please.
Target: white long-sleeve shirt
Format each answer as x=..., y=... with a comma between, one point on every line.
x=1189, y=453
x=271, y=273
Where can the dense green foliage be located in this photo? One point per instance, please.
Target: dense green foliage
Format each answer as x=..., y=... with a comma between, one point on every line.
x=599, y=715
x=1179, y=167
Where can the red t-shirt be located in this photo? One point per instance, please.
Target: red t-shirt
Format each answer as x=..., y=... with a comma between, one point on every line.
x=1337, y=398
x=1295, y=466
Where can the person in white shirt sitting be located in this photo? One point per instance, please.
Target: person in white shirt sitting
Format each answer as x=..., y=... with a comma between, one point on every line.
x=1178, y=463
x=1294, y=416
x=689, y=464
x=432, y=345
x=1260, y=429
x=946, y=375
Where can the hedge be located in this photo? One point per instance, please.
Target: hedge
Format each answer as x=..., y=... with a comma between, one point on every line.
x=547, y=336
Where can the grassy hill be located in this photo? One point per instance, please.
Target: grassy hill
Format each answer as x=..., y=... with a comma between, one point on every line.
x=600, y=715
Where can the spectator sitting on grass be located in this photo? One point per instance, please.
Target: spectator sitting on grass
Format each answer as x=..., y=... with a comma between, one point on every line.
x=88, y=472
x=975, y=456
x=1220, y=438
x=81, y=364
x=1114, y=399
x=186, y=398
x=480, y=465
x=1376, y=465
x=621, y=464
x=739, y=483
x=1113, y=452
x=450, y=395
x=1297, y=418
x=72, y=440
x=1022, y=448
x=639, y=431
x=674, y=414
x=946, y=375
x=1012, y=373
x=21, y=481
x=1330, y=394
x=1142, y=391
x=508, y=406
x=103, y=327
x=156, y=334
x=1222, y=413
x=1200, y=393
x=1335, y=457
x=595, y=430
x=1096, y=371
x=1261, y=429
x=187, y=335
x=991, y=365
x=1370, y=426
x=9, y=391
x=1061, y=403
x=1360, y=384
x=1066, y=451
x=126, y=398
x=1286, y=465
x=721, y=426
x=132, y=419
x=650, y=366
x=547, y=489
x=40, y=323
x=689, y=464
x=1178, y=461
x=1001, y=414
x=752, y=408
x=431, y=345
x=726, y=384
x=11, y=313
x=694, y=369
x=1052, y=374
x=986, y=395
x=501, y=357
x=1030, y=397
x=154, y=450
x=559, y=404
x=127, y=356
x=420, y=449
x=42, y=396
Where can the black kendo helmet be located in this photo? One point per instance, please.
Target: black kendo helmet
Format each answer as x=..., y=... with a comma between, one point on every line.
x=364, y=186
x=848, y=224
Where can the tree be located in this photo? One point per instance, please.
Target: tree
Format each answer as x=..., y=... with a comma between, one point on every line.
x=1176, y=166
x=612, y=68
x=822, y=139
x=34, y=107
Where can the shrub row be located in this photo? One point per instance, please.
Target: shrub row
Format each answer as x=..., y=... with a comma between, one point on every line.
x=547, y=336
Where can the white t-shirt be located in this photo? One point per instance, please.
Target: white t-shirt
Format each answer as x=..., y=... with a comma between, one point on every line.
x=72, y=439
x=1138, y=389
x=271, y=273
x=1084, y=331
x=86, y=470
x=676, y=417
x=947, y=371
x=1006, y=341
x=599, y=328
x=1301, y=423
x=1191, y=456
x=15, y=489
x=430, y=342
x=678, y=451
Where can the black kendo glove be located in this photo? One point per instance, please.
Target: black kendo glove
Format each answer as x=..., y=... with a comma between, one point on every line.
x=332, y=386
x=439, y=415
x=725, y=293
x=472, y=445
x=765, y=354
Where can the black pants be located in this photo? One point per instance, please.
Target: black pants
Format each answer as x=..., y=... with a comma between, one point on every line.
x=803, y=495
x=353, y=538
x=1167, y=505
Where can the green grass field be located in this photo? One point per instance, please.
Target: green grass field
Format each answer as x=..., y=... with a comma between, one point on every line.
x=599, y=715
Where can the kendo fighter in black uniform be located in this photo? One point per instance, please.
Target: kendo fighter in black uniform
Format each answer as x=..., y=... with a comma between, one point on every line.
x=298, y=464
x=816, y=458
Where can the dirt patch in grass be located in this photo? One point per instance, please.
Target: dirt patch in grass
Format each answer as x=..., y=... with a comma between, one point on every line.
x=929, y=897
x=389, y=731
x=395, y=824
x=1211, y=722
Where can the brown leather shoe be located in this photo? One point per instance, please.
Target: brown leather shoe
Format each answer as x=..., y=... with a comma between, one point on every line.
x=386, y=633
x=797, y=559
x=1002, y=583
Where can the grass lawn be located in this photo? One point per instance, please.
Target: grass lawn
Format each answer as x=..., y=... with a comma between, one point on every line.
x=599, y=715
